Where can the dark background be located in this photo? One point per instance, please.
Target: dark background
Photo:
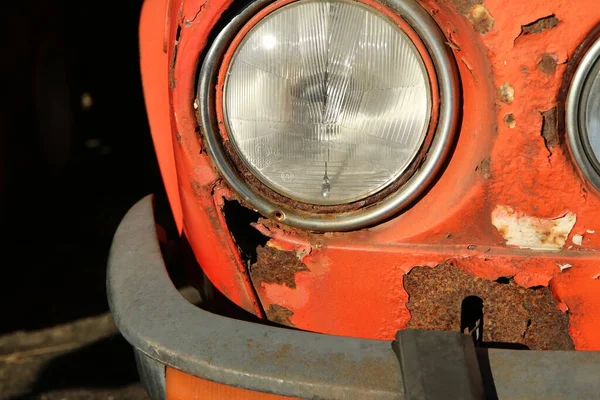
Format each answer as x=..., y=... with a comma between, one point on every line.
x=69, y=171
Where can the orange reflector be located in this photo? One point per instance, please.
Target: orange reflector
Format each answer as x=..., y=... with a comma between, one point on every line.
x=181, y=386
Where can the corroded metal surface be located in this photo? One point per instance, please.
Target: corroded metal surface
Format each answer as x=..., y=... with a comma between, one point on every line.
x=540, y=25
x=550, y=124
x=512, y=314
x=481, y=18
x=276, y=266
x=547, y=64
x=279, y=315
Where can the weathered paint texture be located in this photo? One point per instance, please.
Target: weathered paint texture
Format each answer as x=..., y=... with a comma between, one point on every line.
x=533, y=233
x=482, y=21
x=512, y=57
x=276, y=266
x=280, y=315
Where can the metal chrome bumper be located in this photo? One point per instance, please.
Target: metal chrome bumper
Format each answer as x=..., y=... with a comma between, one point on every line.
x=167, y=330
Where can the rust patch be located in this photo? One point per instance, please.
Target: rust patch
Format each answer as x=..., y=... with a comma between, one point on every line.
x=550, y=128
x=172, y=82
x=506, y=93
x=547, y=64
x=464, y=6
x=484, y=168
x=510, y=121
x=512, y=314
x=280, y=315
x=276, y=266
x=477, y=14
x=540, y=25
x=481, y=19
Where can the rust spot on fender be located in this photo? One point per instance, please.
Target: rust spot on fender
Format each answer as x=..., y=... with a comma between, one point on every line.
x=510, y=121
x=477, y=14
x=464, y=6
x=280, y=315
x=172, y=81
x=550, y=128
x=512, y=314
x=539, y=25
x=547, y=64
x=506, y=93
x=276, y=266
x=481, y=19
x=484, y=168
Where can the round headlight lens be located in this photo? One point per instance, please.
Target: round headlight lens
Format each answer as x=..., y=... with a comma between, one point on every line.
x=327, y=102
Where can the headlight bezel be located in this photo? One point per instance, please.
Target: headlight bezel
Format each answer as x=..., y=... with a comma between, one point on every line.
x=424, y=32
x=587, y=61
x=346, y=201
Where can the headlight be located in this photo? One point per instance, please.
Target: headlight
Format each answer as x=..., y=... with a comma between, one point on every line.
x=583, y=111
x=332, y=114
x=327, y=102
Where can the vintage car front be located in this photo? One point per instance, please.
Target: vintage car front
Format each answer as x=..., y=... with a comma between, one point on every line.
x=359, y=176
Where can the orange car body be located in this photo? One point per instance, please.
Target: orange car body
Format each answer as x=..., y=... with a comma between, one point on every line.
x=510, y=202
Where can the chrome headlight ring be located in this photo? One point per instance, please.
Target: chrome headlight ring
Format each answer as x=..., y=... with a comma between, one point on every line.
x=343, y=217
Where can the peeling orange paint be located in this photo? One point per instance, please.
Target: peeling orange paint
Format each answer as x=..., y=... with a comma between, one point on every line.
x=578, y=288
x=528, y=232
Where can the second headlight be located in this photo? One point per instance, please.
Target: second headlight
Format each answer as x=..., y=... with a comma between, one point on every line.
x=583, y=109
